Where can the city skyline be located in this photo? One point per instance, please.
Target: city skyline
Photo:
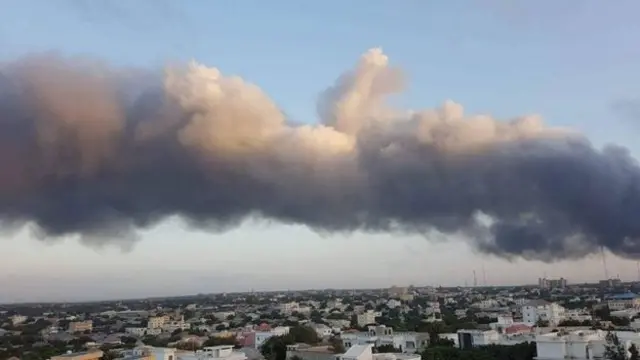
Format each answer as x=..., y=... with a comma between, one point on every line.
x=480, y=57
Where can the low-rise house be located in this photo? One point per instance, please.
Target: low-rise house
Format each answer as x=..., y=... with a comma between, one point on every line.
x=408, y=342
x=582, y=344
x=623, y=302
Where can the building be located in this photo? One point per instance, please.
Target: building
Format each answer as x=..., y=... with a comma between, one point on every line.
x=80, y=326
x=409, y=342
x=397, y=291
x=623, y=302
x=468, y=339
x=308, y=352
x=142, y=331
x=367, y=318
x=259, y=337
x=85, y=355
x=288, y=308
x=157, y=322
x=18, y=319
x=139, y=353
x=611, y=283
x=544, y=283
x=322, y=330
x=365, y=352
x=223, y=352
x=541, y=310
x=173, y=325
x=580, y=345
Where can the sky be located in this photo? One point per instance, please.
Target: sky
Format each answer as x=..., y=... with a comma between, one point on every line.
x=570, y=62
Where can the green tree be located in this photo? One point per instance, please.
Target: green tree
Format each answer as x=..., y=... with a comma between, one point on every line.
x=634, y=353
x=304, y=334
x=386, y=348
x=614, y=349
x=336, y=345
x=216, y=341
x=275, y=348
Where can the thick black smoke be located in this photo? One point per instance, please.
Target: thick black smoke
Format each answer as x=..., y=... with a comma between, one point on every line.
x=92, y=151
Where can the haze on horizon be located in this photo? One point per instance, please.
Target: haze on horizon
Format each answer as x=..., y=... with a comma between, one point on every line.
x=478, y=69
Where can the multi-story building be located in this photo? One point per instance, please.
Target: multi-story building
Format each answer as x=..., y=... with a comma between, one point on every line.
x=485, y=304
x=610, y=283
x=580, y=345
x=623, y=302
x=468, y=339
x=139, y=353
x=18, y=319
x=288, y=308
x=257, y=338
x=544, y=283
x=541, y=310
x=365, y=352
x=173, y=325
x=367, y=318
x=80, y=326
x=409, y=342
x=156, y=322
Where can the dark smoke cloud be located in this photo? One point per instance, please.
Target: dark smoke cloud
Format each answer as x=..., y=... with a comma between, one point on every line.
x=99, y=152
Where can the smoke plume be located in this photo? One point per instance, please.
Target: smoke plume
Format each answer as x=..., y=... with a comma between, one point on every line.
x=99, y=152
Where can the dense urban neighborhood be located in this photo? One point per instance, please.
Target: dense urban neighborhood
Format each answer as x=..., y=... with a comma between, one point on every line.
x=552, y=320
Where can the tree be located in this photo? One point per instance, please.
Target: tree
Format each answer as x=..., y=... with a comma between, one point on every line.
x=109, y=355
x=336, y=345
x=386, y=348
x=614, y=349
x=216, y=341
x=635, y=354
x=275, y=347
x=542, y=323
x=304, y=334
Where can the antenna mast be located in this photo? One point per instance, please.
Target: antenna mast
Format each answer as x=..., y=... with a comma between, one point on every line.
x=484, y=276
x=604, y=263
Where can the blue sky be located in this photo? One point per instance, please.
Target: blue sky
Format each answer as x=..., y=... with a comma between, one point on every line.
x=568, y=62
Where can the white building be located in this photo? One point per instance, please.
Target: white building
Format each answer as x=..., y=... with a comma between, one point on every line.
x=173, y=325
x=485, y=304
x=624, y=302
x=288, y=308
x=322, y=330
x=18, y=319
x=365, y=352
x=262, y=336
x=468, y=339
x=393, y=303
x=223, y=352
x=367, y=318
x=579, y=345
x=408, y=342
x=578, y=315
x=536, y=310
x=503, y=322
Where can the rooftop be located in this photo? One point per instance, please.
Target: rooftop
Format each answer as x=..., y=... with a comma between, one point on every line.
x=356, y=350
x=625, y=296
x=537, y=302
